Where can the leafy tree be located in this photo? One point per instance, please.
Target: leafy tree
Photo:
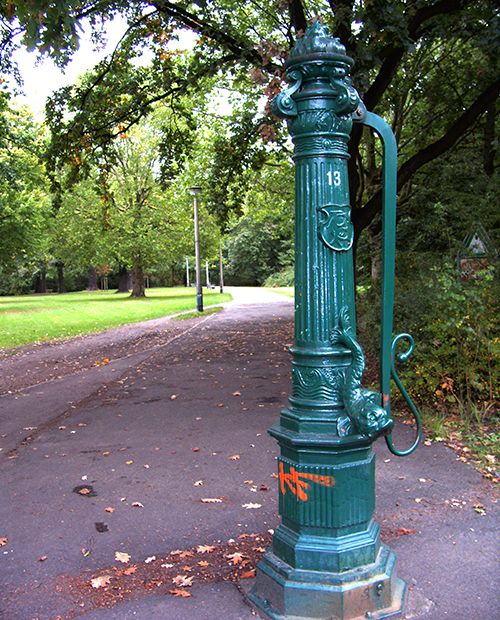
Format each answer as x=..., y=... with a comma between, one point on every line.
x=383, y=36
x=24, y=193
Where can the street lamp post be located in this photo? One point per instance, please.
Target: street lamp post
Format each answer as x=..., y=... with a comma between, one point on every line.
x=196, y=191
x=221, y=279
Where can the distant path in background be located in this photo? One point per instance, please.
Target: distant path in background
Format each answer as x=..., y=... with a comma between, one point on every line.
x=35, y=364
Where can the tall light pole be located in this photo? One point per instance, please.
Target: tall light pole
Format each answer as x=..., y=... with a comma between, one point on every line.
x=221, y=280
x=196, y=191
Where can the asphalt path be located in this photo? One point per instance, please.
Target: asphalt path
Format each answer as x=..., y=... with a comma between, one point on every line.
x=155, y=432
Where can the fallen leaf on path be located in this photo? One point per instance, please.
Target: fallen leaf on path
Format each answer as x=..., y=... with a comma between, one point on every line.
x=137, y=504
x=250, y=506
x=198, y=483
x=3, y=542
x=100, y=582
x=203, y=563
x=109, y=509
x=236, y=393
x=234, y=458
x=183, y=581
x=248, y=575
x=235, y=558
x=204, y=548
x=130, y=570
x=182, y=593
x=196, y=449
x=174, y=396
x=151, y=558
x=84, y=491
x=402, y=531
x=263, y=488
x=129, y=462
x=211, y=500
x=42, y=559
x=122, y=557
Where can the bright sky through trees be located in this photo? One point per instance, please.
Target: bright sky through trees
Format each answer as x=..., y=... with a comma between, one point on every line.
x=43, y=77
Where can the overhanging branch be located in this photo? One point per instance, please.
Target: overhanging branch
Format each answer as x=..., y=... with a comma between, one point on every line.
x=363, y=217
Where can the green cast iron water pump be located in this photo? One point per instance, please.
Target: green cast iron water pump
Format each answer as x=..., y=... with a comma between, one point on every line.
x=327, y=560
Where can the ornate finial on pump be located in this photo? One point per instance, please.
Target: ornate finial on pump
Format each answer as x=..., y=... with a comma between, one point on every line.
x=319, y=60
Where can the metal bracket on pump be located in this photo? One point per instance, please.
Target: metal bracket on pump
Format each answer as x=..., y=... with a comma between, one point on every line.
x=387, y=343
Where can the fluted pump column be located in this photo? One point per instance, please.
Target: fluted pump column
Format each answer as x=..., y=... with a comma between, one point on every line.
x=326, y=561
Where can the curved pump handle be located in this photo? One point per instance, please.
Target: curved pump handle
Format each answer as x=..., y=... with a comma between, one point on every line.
x=387, y=344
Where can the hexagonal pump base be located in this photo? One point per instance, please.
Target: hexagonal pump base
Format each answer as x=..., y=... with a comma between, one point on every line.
x=284, y=593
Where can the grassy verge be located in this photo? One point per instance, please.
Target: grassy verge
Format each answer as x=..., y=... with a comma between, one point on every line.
x=36, y=318
x=475, y=439
x=287, y=291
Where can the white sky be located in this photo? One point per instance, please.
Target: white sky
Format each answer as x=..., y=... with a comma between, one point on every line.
x=41, y=79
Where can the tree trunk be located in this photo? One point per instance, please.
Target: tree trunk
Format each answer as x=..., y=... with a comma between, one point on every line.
x=123, y=282
x=60, y=276
x=137, y=277
x=92, y=280
x=41, y=282
x=375, y=244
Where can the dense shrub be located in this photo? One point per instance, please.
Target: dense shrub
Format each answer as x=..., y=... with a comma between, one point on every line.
x=456, y=326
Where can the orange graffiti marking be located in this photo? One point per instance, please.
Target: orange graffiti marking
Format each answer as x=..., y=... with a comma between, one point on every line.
x=299, y=487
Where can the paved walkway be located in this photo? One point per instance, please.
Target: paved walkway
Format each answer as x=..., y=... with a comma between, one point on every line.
x=152, y=435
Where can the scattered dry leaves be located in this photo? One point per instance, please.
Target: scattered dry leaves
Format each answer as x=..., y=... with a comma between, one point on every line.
x=122, y=557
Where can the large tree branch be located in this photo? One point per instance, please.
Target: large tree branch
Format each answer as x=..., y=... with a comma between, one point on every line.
x=242, y=49
x=393, y=55
x=363, y=217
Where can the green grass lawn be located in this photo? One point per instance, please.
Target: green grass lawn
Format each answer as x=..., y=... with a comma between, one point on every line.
x=35, y=318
